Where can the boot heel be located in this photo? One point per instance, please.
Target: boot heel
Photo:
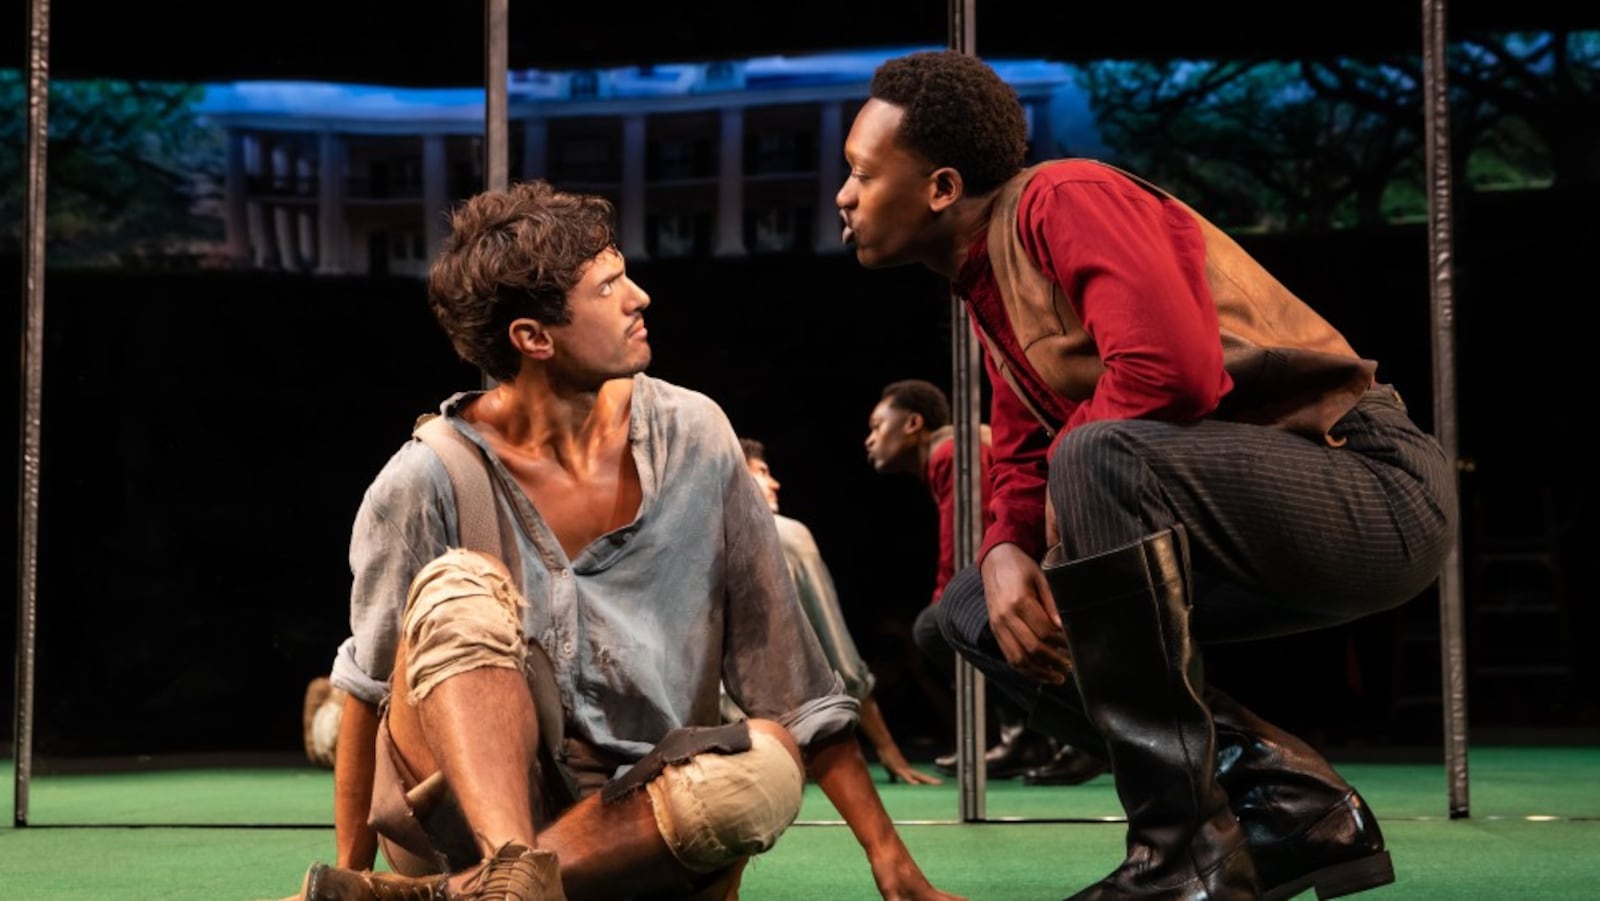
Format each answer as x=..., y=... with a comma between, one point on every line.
x=1355, y=876
x=1340, y=879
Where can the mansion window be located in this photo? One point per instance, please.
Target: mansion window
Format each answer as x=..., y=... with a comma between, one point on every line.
x=777, y=229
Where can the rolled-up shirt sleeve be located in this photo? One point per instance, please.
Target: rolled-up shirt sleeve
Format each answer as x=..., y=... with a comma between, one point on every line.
x=404, y=521
x=348, y=675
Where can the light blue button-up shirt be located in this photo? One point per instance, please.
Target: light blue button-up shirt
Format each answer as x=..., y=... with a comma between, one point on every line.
x=819, y=598
x=647, y=621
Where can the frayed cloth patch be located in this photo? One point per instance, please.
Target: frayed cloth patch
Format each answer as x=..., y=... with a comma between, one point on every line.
x=678, y=746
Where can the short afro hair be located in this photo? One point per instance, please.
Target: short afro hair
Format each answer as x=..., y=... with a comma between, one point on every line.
x=958, y=113
x=921, y=397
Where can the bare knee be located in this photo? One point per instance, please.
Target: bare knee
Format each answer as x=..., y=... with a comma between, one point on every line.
x=462, y=613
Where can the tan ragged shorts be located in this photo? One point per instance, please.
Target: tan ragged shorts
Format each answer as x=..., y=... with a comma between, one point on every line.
x=716, y=809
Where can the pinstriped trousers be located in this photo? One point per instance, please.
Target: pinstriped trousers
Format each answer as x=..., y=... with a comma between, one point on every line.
x=1285, y=534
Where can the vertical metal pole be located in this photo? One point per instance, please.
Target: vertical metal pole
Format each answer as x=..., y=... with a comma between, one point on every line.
x=1441, y=259
x=32, y=398
x=496, y=130
x=964, y=26
x=968, y=525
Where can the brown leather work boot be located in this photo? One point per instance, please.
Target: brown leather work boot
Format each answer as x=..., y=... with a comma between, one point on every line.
x=515, y=873
x=325, y=883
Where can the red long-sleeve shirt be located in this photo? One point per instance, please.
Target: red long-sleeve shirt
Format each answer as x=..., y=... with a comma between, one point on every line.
x=942, y=485
x=1132, y=267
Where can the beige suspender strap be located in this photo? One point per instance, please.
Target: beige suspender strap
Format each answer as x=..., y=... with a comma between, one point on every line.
x=469, y=474
x=480, y=531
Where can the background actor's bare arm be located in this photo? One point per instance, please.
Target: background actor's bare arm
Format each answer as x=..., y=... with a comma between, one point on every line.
x=839, y=768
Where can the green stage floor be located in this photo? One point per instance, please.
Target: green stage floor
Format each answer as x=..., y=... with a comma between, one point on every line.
x=179, y=830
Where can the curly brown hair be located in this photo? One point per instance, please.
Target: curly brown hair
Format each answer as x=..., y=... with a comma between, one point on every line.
x=512, y=254
x=958, y=113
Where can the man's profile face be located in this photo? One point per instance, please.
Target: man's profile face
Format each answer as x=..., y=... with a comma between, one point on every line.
x=890, y=431
x=606, y=337
x=763, y=475
x=885, y=200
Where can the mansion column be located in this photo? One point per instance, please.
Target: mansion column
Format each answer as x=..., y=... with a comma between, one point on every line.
x=333, y=241
x=305, y=214
x=236, y=215
x=830, y=176
x=257, y=213
x=730, y=185
x=535, y=148
x=435, y=194
x=283, y=219
x=633, y=186
x=1041, y=132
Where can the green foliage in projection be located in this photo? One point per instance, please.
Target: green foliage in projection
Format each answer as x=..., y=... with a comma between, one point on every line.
x=132, y=177
x=1339, y=143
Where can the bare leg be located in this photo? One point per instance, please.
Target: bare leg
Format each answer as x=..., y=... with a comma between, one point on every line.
x=612, y=850
x=478, y=727
x=725, y=888
x=607, y=850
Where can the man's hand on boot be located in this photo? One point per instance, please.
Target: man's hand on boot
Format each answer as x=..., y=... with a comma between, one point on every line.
x=1023, y=616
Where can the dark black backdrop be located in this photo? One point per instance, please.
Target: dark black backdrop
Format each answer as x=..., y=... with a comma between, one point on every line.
x=376, y=42
x=207, y=438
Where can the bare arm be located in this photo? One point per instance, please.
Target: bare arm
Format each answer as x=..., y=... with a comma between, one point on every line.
x=877, y=732
x=355, y=842
x=838, y=767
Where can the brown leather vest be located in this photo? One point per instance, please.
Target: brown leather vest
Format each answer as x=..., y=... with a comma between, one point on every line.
x=1290, y=367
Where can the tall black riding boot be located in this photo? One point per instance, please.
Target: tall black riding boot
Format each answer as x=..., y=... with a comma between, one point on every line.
x=1307, y=827
x=1126, y=614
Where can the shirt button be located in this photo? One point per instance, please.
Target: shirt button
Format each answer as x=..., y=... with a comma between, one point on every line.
x=568, y=648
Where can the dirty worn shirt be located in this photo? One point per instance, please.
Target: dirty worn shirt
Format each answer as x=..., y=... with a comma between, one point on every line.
x=819, y=598
x=649, y=619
